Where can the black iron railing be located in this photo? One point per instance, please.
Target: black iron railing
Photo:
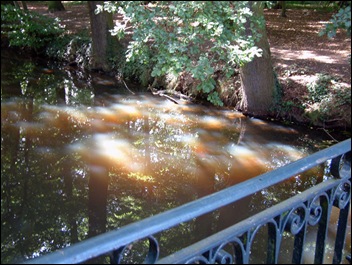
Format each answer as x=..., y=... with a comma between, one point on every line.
x=233, y=244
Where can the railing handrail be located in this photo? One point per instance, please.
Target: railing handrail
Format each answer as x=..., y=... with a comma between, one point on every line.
x=123, y=236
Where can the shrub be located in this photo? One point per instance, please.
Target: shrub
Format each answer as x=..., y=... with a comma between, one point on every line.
x=71, y=49
x=318, y=89
x=327, y=99
x=28, y=30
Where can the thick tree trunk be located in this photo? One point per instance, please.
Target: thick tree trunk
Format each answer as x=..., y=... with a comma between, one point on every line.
x=283, y=8
x=24, y=5
x=257, y=77
x=103, y=44
x=55, y=6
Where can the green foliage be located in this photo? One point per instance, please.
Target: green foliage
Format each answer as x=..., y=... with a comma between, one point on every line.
x=326, y=86
x=318, y=89
x=71, y=48
x=327, y=97
x=280, y=106
x=188, y=36
x=340, y=20
x=57, y=48
x=138, y=70
x=25, y=29
x=343, y=95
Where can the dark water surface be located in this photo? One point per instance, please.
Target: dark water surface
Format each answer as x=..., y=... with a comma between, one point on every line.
x=80, y=155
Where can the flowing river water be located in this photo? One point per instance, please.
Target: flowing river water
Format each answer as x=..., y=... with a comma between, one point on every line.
x=81, y=155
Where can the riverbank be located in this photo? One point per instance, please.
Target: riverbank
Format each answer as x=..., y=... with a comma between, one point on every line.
x=314, y=73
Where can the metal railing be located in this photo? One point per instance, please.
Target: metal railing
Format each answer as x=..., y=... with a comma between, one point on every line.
x=293, y=216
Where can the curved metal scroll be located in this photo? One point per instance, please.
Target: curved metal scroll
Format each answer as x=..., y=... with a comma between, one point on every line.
x=342, y=194
x=151, y=258
x=341, y=166
x=295, y=219
x=315, y=209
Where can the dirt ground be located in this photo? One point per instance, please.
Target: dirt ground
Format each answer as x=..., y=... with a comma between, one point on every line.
x=298, y=52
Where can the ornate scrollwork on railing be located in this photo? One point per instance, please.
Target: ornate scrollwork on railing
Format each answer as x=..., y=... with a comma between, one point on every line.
x=342, y=194
x=295, y=219
x=218, y=255
x=236, y=252
x=223, y=257
x=152, y=255
x=315, y=209
x=341, y=166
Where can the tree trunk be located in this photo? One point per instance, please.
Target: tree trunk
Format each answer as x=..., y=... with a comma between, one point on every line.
x=257, y=77
x=283, y=8
x=24, y=5
x=103, y=44
x=55, y=6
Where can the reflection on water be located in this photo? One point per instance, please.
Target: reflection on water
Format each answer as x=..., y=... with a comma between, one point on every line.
x=76, y=162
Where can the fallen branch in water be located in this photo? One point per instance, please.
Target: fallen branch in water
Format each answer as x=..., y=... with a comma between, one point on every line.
x=169, y=98
x=170, y=94
x=127, y=87
x=329, y=134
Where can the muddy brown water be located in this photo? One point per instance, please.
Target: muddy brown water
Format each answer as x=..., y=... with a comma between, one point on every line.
x=80, y=156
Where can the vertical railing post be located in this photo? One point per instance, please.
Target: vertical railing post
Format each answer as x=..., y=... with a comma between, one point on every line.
x=341, y=234
x=322, y=229
x=341, y=169
x=273, y=244
x=297, y=254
